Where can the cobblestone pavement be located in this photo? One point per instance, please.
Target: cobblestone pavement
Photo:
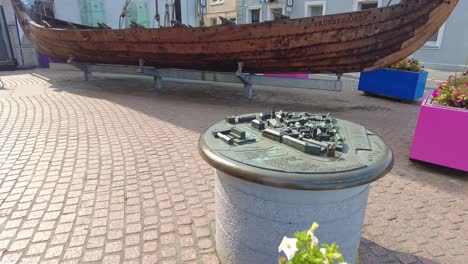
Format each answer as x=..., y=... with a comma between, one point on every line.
x=107, y=171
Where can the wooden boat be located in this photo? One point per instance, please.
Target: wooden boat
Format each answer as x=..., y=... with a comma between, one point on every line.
x=349, y=42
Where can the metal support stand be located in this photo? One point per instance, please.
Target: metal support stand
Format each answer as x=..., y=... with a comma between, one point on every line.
x=158, y=84
x=248, y=80
x=85, y=68
x=245, y=78
x=88, y=76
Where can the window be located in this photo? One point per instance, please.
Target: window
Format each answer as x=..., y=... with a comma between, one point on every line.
x=92, y=12
x=215, y=2
x=138, y=11
x=214, y=21
x=272, y=9
x=254, y=14
x=436, y=40
x=46, y=8
x=315, y=8
x=29, y=3
x=366, y=4
x=276, y=11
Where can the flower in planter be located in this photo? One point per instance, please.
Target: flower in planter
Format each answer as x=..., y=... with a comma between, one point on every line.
x=303, y=249
x=453, y=93
x=288, y=246
x=408, y=64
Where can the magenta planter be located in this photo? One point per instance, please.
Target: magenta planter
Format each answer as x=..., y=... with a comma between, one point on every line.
x=441, y=136
x=288, y=75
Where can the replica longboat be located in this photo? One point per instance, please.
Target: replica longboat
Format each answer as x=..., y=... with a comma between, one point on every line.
x=340, y=43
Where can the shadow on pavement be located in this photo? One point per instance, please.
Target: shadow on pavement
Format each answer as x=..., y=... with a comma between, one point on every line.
x=373, y=253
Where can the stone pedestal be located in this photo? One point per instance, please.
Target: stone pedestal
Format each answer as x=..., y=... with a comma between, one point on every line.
x=278, y=172
x=252, y=219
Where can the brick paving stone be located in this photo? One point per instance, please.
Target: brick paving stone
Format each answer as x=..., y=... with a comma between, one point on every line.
x=73, y=252
x=92, y=255
x=19, y=245
x=37, y=248
x=150, y=247
x=105, y=171
x=150, y=259
x=110, y=259
x=54, y=251
x=132, y=252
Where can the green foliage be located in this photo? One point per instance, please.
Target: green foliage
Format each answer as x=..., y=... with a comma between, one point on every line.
x=408, y=64
x=308, y=251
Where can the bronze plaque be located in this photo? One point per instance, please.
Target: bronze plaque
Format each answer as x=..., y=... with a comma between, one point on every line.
x=296, y=150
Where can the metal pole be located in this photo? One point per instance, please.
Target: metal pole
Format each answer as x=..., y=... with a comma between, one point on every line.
x=178, y=10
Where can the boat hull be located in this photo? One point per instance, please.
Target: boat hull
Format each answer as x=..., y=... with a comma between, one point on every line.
x=340, y=43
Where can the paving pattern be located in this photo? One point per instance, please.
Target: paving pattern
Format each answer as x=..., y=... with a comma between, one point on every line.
x=109, y=172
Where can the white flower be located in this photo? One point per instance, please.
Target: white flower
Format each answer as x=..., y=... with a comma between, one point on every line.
x=324, y=251
x=313, y=240
x=288, y=246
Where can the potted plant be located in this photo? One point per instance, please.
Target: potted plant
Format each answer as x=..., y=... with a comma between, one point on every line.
x=440, y=135
x=404, y=80
x=305, y=249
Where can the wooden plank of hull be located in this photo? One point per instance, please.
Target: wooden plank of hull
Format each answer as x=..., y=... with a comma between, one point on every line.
x=392, y=39
x=334, y=43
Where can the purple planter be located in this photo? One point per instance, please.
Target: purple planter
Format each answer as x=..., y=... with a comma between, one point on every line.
x=43, y=60
x=441, y=135
x=289, y=75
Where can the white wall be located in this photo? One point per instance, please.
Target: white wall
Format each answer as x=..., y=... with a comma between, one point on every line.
x=67, y=10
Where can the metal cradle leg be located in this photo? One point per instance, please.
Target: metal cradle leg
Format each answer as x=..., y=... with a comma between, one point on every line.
x=245, y=78
x=248, y=90
x=158, y=84
x=88, y=75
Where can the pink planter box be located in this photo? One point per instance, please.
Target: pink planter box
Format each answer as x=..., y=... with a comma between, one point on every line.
x=441, y=136
x=288, y=75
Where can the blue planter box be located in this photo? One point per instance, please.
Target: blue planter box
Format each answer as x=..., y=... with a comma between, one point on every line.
x=394, y=83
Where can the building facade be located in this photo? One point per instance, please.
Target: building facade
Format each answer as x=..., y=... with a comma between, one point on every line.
x=217, y=8
x=23, y=52
x=446, y=50
x=7, y=59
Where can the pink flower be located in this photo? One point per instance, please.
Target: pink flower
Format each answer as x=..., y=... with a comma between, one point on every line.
x=435, y=94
